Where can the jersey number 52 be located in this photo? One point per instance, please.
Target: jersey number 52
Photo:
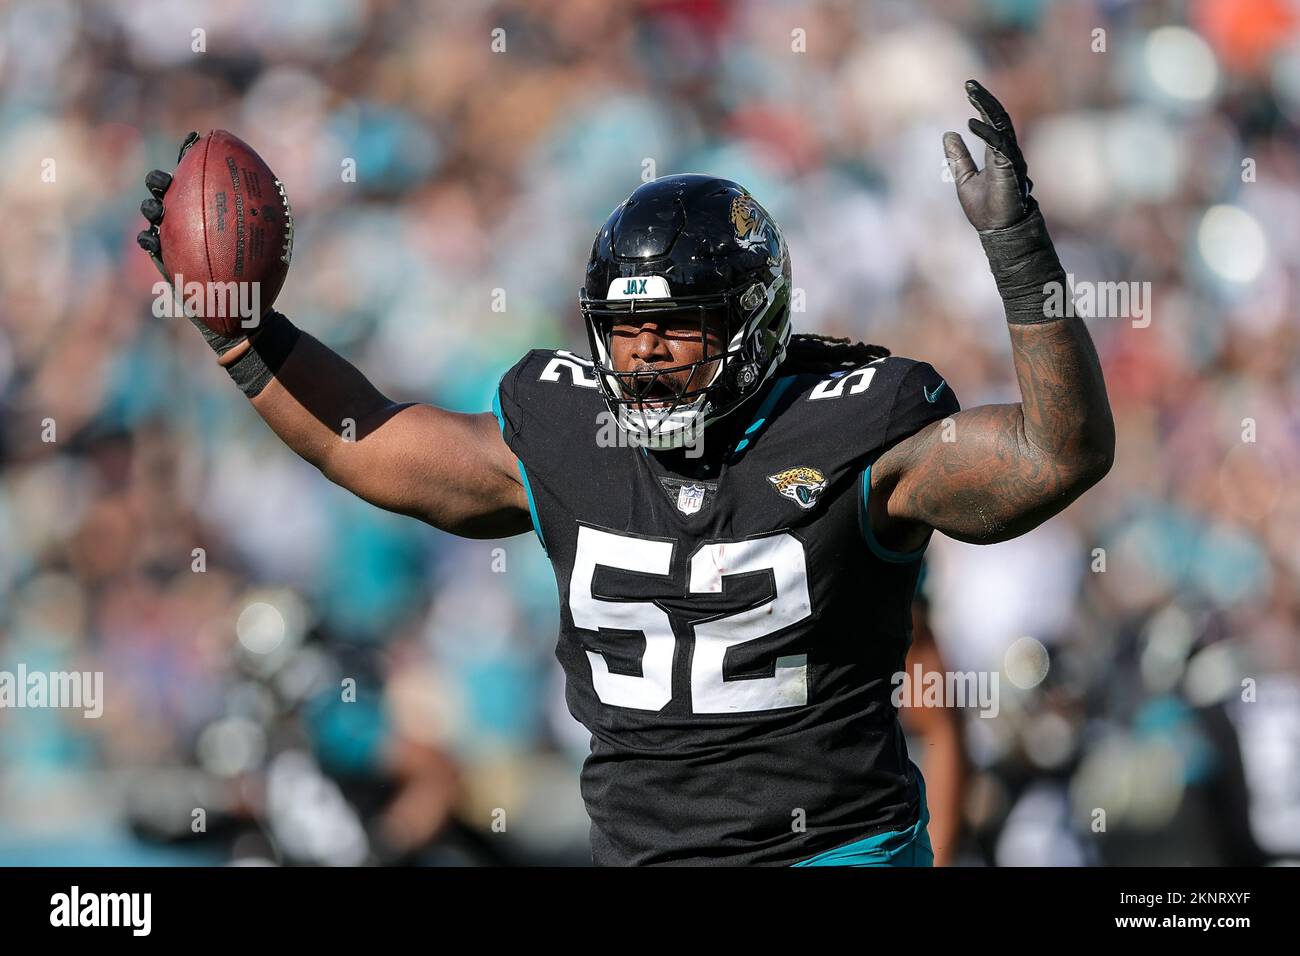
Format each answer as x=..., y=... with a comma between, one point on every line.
x=781, y=554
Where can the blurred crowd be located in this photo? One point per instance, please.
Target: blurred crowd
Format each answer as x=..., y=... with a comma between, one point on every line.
x=444, y=158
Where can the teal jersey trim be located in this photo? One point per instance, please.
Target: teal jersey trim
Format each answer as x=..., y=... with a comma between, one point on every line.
x=764, y=410
x=878, y=549
x=523, y=473
x=910, y=847
x=920, y=581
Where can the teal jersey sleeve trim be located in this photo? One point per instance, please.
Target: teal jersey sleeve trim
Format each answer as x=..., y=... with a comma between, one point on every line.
x=878, y=549
x=918, y=591
x=909, y=847
x=764, y=410
x=523, y=473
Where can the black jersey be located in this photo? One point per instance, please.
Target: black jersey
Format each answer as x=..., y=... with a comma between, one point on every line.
x=728, y=626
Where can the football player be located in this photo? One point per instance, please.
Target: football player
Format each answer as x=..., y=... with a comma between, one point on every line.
x=735, y=515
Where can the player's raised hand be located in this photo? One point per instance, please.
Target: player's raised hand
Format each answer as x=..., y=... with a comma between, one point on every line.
x=220, y=230
x=157, y=181
x=997, y=195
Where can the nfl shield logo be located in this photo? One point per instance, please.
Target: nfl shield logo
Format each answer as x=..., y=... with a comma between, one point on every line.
x=689, y=498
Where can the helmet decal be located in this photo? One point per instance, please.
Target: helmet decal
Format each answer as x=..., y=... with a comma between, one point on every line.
x=747, y=217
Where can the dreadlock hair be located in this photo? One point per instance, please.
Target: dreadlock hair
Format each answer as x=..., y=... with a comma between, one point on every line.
x=824, y=353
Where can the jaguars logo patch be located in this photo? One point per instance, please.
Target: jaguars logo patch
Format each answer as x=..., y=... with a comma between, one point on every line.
x=800, y=485
x=748, y=220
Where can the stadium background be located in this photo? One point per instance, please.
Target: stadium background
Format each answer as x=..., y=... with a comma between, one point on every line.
x=1169, y=158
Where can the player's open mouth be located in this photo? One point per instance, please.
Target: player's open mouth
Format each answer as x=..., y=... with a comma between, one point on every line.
x=658, y=392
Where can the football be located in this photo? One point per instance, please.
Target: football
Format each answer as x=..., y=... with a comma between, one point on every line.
x=227, y=233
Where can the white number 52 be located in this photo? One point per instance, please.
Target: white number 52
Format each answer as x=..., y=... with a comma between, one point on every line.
x=781, y=554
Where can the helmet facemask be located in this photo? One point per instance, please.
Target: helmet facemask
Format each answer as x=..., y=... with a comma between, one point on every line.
x=677, y=419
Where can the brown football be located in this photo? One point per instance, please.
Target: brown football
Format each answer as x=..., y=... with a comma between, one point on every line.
x=226, y=220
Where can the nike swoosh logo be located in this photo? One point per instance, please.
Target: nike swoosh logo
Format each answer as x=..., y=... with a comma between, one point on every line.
x=933, y=397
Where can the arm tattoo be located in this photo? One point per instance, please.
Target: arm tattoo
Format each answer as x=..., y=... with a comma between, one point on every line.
x=1007, y=468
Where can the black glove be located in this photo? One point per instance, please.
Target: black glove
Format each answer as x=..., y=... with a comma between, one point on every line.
x=998, y=195
x=997, y=202
x=157, y=182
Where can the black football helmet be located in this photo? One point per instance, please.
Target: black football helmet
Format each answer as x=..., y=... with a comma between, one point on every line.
x=701, y=245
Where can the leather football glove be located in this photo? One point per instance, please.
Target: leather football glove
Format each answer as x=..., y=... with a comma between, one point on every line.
x=997, y=201
x=996, y=196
